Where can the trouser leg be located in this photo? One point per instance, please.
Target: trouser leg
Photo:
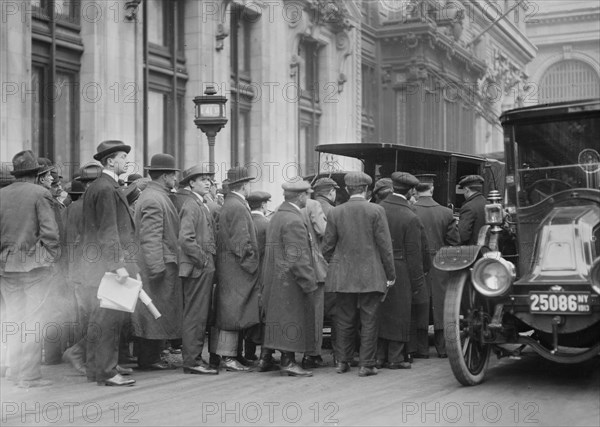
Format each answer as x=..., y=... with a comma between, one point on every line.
x=369, y=306
x=346, y=315
x=319, y=300
x=104, y=332
x=196, y=294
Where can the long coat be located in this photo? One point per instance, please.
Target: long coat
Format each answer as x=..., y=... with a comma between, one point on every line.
x=289, y=283
x=72, y=218
x=197, y=240
x=108, y=231
x=358, y=247
x=316, y=222
x=441, y=230
x=157, y=232
x=236, y=294
x=471, y=219
x=29, y=236
x=407, y=239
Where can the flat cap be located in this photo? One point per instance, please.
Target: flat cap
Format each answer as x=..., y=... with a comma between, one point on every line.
x=383, y=183
x=471, y=180
x=297, y=186
x=404, y=179
x=357, y=178
x=258, y=196
x=325, y=182
x=426, y=181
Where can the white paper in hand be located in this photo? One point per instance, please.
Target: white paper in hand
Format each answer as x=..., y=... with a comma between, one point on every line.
x=118, y=296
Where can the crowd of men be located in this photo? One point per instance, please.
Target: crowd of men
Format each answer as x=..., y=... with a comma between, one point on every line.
x=225, y=269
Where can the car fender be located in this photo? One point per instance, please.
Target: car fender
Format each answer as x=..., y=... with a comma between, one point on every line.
x=454, y=258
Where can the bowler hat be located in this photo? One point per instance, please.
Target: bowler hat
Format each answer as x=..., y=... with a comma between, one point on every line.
x=106, y=148
x=381, y=184
x=43, y=161
x=238, y=174
x=194, y=171
x=297, y=186
x=325, y=182
x=76, y=187
x=89, y=172
x=353, y=179
x=162, y=162
x=258, y=196
x=25, y=163
x=133, y=178
x=471, y=180
x=404, y=180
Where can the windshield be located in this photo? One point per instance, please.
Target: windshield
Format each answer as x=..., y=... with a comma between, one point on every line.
x=557, y=156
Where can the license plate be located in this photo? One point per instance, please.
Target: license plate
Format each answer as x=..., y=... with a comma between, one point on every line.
x=559, y=302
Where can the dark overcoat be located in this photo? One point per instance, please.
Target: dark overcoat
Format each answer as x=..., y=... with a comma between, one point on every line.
x=157, y=233
x=236, y=294
x=358, y=247
x=72, y=219
x=471, y=218
x=289, y=283
x=316, y=222
x=108, y=231
x=197, y=245
x=441, y=230
x=261, y=222
x=407, y=239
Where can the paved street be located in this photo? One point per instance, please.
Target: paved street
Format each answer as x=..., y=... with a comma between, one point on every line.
x=526, y=392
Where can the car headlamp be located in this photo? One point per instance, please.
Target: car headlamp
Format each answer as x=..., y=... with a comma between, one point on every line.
x=492, y=276
x=595, y=275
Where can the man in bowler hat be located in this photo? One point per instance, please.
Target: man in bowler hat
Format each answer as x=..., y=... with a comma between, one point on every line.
x=408, y=237
x=29, y=243
x=441, y=230
x=236, y=294
x=358, y=247
x=197, y=250
x=289, y=281
x=107, y=244
x=157, y=234
x=471, y=216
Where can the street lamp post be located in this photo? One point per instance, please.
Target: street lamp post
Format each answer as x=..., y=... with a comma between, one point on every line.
x=210, y=118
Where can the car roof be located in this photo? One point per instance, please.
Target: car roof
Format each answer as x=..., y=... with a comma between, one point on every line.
x=370, y=150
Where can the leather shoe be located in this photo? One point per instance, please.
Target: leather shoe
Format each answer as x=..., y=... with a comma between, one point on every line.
x=366, y=371
x=117, y=381
x=200, y=369
x=408, y=358
x=420, y=356
x=379, y=363
x=231, y=364
x=246, y=362
x=267, y=364
x=399, y=365
x=342, y=367
x=123, y=371
x=76, y=362
x=158, y=366
x=34, y=383
x=313, y=362
x=295, y=370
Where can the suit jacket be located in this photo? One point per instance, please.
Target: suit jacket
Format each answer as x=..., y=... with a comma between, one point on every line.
x=236, y=296
x=289, y=281
x=440, y=225
x=29, y=236
x=471, y=219
x=316, y=222
x=408, y=235
x=107, y=227
x=358, y=247
x=197, y=245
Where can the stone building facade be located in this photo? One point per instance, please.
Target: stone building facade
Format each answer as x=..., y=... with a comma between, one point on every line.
x=296, y=73
x=567, y=67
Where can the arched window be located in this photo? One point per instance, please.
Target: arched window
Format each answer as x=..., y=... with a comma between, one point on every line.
x=568, y=81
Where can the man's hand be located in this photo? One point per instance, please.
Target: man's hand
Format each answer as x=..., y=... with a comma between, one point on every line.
x=390, y=283
x=122, y=275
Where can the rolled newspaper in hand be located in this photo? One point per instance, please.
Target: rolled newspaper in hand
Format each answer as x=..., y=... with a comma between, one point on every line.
x=148, y=302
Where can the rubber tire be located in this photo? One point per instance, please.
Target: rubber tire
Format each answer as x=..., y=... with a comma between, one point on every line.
x=454, y=346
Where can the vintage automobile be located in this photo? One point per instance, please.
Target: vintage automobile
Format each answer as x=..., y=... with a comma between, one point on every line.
x=381, y=159
x=533, y=279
